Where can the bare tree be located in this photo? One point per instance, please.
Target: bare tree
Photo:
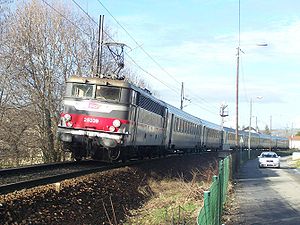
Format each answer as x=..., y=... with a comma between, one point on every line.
x=41, y=46
x=40, y=50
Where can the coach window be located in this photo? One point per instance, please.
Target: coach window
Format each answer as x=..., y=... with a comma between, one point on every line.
x=186, y=127
x=108, y=93
x=181, y=126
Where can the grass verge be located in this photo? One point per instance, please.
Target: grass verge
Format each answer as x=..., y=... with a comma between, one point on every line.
x=172, y=201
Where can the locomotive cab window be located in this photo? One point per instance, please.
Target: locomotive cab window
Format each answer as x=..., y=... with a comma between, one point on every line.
x=108, y=93
x=80, y=90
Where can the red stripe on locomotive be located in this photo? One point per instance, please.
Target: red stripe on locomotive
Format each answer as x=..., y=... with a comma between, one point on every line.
x=81, y=121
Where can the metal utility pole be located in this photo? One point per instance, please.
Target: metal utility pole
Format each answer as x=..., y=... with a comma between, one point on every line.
x=182, y=98
x=256, y=127
x=100, y=43
x=250, y=125
x=223, y=114
x=271, y=133
x=249, y=138
x=237, y=100
x=237, y=84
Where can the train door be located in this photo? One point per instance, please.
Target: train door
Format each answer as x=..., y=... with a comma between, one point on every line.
x=204, y=137
x=169, y=130
x=226, y=140
x=133, y=124
x=133, y=118
x=221, y=139
x=166, y=127
x=221, y=135
x=199, y=133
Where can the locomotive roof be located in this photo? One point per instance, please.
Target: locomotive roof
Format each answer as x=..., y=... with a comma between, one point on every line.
x=112, y=82
x=99, y=81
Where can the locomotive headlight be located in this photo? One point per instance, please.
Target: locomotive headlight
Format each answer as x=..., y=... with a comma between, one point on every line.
x=69, y=124
x=67, y=117
x=111, y=128
x=117, y=123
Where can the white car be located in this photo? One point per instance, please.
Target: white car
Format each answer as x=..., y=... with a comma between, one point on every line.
x=268, y=159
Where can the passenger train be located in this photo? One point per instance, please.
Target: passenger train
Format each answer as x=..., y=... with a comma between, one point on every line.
x=112, y=119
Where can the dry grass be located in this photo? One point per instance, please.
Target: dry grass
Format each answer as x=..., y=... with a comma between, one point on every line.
x=173, y=201
x=230, y=210
x=296, y=163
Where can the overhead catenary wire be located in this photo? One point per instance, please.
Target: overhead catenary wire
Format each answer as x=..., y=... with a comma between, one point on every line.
x=140, y=67
x=62, y=15
x=145, y=71
x=176, y=91
x=139, y=46
x=125, y=52
x=194, y=99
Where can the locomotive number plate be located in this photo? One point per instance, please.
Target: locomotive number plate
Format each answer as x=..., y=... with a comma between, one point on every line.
x=90, y=120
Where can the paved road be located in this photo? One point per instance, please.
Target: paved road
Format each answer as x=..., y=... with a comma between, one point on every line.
x=268, y=196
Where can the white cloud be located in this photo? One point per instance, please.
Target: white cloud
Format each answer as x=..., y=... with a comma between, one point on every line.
x=208, y=69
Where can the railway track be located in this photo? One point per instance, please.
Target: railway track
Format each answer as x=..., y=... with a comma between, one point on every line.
x=32, y=176
x=27, y=177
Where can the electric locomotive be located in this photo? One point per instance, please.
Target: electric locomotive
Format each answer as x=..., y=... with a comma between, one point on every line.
x=110, y=119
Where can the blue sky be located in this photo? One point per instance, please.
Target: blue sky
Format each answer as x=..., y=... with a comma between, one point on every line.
x=195, y=41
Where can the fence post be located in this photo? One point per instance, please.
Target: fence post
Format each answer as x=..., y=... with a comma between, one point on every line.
x=214, y=199
x=208, y=219
x=217, y=180
x=221, y=181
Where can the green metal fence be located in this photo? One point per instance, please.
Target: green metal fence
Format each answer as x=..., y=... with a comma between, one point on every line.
x=215, y=198
x=239, y=157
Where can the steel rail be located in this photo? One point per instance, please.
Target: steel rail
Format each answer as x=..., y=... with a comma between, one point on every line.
x=16, y=186
x=41, y=167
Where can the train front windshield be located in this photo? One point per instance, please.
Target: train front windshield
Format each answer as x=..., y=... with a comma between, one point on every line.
x=80, y=90
x=108, y=93
x=99, y=92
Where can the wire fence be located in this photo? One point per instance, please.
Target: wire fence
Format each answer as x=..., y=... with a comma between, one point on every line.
x=215, y=197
